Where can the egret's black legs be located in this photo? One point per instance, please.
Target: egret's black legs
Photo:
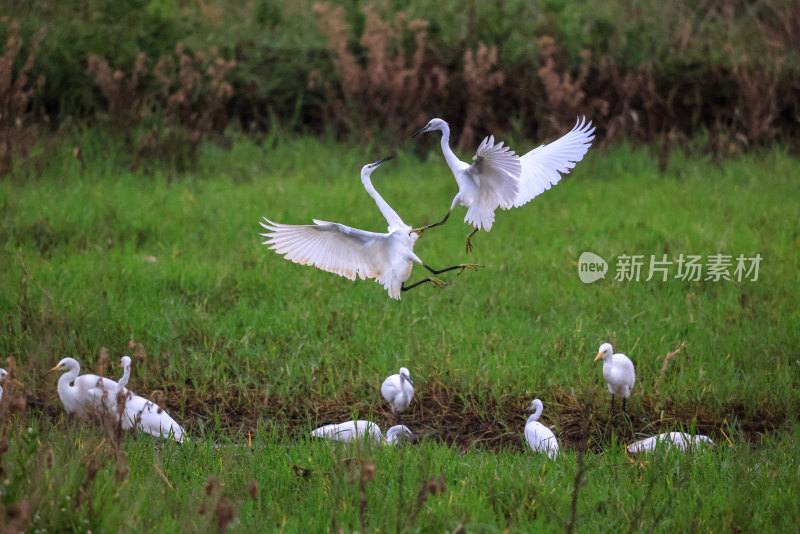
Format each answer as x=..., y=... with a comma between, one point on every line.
x=423, y=228
x=469, y=243
x=612, y=403
x=460, y=266
x=435, y=281
x=623, y=404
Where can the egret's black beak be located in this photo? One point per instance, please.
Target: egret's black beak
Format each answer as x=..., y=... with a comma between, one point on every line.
x=421, y=130
x=387, y=158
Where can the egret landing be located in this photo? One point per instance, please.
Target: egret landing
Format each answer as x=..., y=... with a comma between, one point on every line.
x=500, y=178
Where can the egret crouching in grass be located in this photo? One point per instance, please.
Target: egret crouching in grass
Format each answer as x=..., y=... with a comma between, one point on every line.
x=85, y=395
x=679, y=440
x=618, y=372
x=362, y=430
x=538, y=436
x=500, y=178
x=3, y=376
x=145, y=415
x=350, y=252
x=398, y=390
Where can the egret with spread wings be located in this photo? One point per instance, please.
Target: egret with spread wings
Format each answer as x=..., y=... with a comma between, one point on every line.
x=350, y=252
x=499, y=178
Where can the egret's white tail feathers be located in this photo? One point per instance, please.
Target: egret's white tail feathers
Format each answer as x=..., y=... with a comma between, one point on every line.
x=542, y=167
x=481, y=215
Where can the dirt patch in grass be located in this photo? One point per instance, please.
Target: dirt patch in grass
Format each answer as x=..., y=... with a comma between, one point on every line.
x=460, y=420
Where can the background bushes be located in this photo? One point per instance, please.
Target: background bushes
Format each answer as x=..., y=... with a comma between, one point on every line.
x=642, y=70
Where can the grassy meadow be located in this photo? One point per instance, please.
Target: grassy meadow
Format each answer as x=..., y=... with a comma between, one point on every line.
x=168, y=267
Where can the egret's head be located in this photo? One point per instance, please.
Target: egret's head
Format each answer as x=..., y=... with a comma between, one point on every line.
x=404, y=374
x=398, y=431
x=367, y=169
x=536, y=404
x=434, y=124
x=125, y=361
x=605, y=351
x=65, y=363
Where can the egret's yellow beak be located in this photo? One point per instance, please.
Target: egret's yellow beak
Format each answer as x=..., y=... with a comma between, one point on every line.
x=56, y=368
x=599, y=355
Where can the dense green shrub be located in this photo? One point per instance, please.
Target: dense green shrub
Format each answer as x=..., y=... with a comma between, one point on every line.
x=642, y=70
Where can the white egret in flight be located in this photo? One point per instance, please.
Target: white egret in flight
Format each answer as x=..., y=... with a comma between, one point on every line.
x=350, y=252
x=680, y=440
x=398, y=390
x=143, y=414
x=539, y=437
x=618, y=372
x=3, y=376
x=362, y=430
x=84, y=395
x=500, y=178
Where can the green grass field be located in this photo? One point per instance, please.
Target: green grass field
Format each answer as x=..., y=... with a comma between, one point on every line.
x=242, y=341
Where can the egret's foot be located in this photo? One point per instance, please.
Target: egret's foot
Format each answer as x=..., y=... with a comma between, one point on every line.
x=419, y=231
x=472, y=266
x=469, y=246
x=436, y=282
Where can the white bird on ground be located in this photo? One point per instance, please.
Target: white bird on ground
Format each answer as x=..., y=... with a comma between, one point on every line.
x=359, y=430
x=500, y=178
x=618, y=372
x=3, y=376
x=539, y=437
x=350, y=252
x=398, y=390
x=680, y=440
x=143, y=414
x=85, y=395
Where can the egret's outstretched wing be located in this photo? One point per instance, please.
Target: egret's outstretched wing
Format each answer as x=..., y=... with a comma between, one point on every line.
x=542, y=166
x=332, y=247
x=496, y=174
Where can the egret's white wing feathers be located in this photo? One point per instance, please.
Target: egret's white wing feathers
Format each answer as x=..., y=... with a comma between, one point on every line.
x=542, y=167
x=496, y=174
x=332, y=247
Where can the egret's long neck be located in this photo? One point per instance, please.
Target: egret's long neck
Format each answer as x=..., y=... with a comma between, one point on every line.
x=64, y=389
x=537, y=413
x=126, y=375
x=449, y=155
x=389, y=214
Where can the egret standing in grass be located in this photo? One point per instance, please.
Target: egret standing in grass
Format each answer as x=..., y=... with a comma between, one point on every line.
x=145, y=415
x=398, y=390
x=500, y=178
x=618, y=372
x=680, y=440
x=3, y=376
x=84, y=395
x=362, y=430
x=350, y=252
x=538, y=436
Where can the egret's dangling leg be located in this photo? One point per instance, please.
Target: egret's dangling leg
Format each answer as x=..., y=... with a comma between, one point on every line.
x=435, y=281
x=421, y=229
x=469, y=243
x=461, y=266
